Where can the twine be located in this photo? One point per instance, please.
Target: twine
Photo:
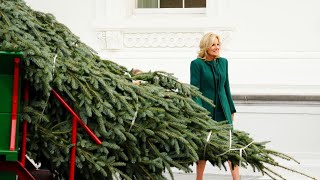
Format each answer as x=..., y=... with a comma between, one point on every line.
x=127, y=74
x=205, y=146
x=133, y=119
x=236, y=149
x=54, y=66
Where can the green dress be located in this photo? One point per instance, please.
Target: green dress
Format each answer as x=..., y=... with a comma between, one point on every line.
x=211, y=77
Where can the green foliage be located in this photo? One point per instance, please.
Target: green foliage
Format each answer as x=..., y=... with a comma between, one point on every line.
x=145, y=129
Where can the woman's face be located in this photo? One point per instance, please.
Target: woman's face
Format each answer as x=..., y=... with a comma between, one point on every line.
x=214, y=51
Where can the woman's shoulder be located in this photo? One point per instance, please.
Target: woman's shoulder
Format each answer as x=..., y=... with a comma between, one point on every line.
x=201, y=61
x=223, y=59
x=197, y=61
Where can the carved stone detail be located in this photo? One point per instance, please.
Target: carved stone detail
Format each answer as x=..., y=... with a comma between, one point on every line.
x=110, y=39
x=225, y=37
x=114, y=39
x=161, y=39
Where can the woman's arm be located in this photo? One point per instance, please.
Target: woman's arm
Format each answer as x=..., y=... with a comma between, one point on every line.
x=195, y=79
x=228, y=92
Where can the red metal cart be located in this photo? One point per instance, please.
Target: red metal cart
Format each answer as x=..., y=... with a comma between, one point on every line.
x=10, y=92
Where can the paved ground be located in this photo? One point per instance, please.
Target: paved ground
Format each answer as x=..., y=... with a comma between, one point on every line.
x=278, y=122
x=184, y=176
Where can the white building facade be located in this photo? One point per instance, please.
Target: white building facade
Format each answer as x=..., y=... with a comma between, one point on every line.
x=268, y=43
x=273, y=48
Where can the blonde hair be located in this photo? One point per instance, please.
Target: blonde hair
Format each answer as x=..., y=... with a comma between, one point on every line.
x=206, y=42
x=136, y=71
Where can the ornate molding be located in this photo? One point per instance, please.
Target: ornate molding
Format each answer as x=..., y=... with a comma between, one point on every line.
x=119, y=39
x=161, y=39
x=110, y=39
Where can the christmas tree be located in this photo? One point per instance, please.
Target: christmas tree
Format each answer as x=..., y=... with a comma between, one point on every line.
x=146, y=129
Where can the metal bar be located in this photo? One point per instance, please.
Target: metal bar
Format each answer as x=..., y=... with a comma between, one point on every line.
x=15, y=96
x=74, y=148
x=24, y=143
x=16, y=167
x=24, y=129
x=86, y=128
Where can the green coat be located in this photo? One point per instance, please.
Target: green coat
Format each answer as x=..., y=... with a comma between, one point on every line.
x=211, y=77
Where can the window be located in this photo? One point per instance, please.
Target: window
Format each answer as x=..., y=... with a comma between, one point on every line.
x=171, y=3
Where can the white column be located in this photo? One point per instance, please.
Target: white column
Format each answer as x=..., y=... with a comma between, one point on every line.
x=212, y=8
x=99, y=12
x=218, y=9
x=115, y=10
x=110, y=12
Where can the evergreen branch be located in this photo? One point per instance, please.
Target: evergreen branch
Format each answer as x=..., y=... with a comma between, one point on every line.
x=169, y=130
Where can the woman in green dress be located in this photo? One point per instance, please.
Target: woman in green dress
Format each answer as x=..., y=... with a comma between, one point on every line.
x=209, y=72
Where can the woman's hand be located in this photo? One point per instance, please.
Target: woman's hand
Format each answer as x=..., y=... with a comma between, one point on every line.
x=137, y=82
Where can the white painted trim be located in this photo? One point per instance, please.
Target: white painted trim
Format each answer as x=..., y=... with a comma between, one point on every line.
x=155, y=37
x=144, y=11
x=283, y=108
x=275, y=89
x=273, y=55
x=232, y=56
x=166, y=29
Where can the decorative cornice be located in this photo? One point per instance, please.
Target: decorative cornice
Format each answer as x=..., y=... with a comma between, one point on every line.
x=111, y=39
x=162, y=39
